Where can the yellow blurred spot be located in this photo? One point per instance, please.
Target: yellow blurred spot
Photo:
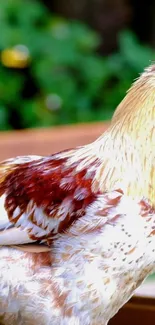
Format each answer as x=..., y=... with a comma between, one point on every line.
x=17, y=57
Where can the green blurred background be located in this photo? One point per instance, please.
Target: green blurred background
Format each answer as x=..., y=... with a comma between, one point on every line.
x=65, y=62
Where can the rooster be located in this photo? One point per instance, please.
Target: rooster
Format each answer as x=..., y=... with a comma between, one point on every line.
x=77, y=228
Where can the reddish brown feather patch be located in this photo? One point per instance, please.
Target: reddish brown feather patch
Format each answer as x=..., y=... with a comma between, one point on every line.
x=146, y=208
x=109, y=204
x=131, y=251
x=40, y=260
x=49, y=182
x=60, y=301
x=152, y=233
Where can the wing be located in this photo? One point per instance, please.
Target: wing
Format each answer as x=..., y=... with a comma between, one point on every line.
x=42, y=196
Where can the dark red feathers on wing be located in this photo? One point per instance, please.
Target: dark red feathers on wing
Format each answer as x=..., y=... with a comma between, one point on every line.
x=48, y=182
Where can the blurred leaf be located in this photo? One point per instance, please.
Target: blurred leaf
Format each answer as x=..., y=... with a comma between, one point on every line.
x=66, y=80
x=134, y=53
x=4, y=118
x=11, y=84
x=85, y=39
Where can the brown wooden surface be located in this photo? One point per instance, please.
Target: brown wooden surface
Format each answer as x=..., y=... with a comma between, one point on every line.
x=47, y=141
x=138, y=311
x=141, y=308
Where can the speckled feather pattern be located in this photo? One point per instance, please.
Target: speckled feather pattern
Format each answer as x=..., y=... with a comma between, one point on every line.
x=85, y=278
x=93, y=208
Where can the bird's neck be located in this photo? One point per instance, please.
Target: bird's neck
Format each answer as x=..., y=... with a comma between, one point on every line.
x=128, y=147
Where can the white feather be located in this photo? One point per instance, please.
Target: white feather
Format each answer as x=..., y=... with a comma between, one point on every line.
x=4, y=221
x=14, y=236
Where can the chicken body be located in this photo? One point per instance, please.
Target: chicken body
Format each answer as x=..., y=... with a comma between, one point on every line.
x=88, y=275
x=93, y=208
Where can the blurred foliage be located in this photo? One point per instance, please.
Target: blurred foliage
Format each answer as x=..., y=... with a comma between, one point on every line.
x=51, y=73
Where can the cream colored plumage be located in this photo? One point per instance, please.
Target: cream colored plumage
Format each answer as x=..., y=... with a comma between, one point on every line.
x=93, y=208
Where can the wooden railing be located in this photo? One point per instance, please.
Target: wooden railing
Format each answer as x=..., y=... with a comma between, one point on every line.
x=47, y=141
x=141, y=308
